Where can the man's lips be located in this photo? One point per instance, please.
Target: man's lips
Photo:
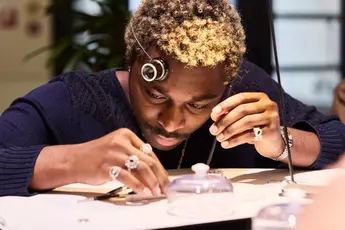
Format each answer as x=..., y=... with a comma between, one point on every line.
x=165, y=141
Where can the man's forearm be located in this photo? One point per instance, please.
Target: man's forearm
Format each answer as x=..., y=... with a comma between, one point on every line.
x=54, y=168
x=306, y=148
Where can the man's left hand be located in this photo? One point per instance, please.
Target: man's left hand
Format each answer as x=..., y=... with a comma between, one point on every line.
x=237, y=116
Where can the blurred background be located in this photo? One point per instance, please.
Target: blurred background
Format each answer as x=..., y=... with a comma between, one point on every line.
x=40, y=39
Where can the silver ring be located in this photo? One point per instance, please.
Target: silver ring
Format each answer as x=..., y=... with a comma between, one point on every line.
x=146, y=148
x=132, y=162
x=114, y=172
x=257, y=133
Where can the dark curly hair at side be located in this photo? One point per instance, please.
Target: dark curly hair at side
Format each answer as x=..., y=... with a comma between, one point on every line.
x=194, y=32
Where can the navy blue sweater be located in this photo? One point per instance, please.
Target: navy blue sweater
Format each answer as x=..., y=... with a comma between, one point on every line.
x=77, y=107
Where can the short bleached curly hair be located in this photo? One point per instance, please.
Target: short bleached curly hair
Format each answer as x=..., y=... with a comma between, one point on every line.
x=194, y=32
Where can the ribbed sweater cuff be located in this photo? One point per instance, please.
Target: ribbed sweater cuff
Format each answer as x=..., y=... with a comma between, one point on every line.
x=331, y=142
x=16, y=169
x=331, y=145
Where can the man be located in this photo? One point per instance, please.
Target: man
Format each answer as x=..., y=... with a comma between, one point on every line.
x=184, y=56
x=338, y=106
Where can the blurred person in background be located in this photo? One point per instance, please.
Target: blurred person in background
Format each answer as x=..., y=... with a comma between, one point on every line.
x=327, y=209
x=338, y=106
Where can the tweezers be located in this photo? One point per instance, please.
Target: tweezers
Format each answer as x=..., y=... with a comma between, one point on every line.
x=111, y=194
x=213, y=147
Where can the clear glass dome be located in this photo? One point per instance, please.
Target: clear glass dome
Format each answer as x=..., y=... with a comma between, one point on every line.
x=200, y=194
x=278, y=216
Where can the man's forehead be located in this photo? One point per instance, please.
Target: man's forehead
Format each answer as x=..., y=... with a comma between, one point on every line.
x=188, y=87
x=179, y=75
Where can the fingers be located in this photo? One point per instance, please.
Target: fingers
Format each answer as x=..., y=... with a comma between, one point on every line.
x=234, y=101
x=146, y=176
x=142, y=172
x=155, y=167
x=149, y=171
x=246, y=123
x=240, y=114
x=134, y=139
x=131, y=181
x=152, y=161
x=236, y=114
x=246, y=137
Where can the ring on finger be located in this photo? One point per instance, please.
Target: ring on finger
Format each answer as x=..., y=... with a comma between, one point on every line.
x=257, y=133
x=146, y=148
x=132, y=162
x=114, y=172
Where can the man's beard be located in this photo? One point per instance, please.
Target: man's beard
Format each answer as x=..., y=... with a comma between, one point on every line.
x=162, y=132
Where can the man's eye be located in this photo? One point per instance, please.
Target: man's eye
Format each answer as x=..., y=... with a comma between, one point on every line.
x=196, y=106
x=155, y=96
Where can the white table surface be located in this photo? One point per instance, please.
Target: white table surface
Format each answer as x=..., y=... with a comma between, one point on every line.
x=61, y=209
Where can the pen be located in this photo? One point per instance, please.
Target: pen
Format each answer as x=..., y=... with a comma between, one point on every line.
x=111, y=194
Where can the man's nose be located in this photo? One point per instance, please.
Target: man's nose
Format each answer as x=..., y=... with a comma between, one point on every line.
x=172, y=119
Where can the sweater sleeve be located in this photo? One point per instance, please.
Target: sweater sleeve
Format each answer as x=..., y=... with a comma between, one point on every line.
x=25, y=129
x=330, y=131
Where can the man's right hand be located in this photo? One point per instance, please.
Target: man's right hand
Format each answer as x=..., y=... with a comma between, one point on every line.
x=93, y=164
x=90, y=163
